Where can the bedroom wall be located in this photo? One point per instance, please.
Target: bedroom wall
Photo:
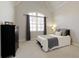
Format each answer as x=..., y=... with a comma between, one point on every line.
x=26, y=7
x=6, y=14
x=68, y=17
x=6, y=11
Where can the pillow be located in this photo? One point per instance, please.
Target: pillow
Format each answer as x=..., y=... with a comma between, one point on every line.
x=63, y=32
x=58, y=33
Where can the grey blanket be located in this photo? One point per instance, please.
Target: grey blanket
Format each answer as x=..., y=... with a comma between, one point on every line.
x=52, y=42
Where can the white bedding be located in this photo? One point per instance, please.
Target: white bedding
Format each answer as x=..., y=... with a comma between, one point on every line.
x=62, y=40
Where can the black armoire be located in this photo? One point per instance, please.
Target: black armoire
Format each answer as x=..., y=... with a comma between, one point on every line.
x=7, y=39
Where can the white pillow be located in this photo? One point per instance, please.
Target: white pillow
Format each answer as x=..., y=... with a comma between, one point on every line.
x=58, y=33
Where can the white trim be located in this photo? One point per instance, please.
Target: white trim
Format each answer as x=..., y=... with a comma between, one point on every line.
x=75, y=44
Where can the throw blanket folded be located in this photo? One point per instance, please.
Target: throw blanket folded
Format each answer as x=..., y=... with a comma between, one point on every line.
x=52, y=42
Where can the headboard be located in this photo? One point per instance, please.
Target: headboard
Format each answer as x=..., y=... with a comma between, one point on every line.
x=64, y=32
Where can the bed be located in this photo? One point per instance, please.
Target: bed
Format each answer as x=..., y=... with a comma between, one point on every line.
x=53, y=41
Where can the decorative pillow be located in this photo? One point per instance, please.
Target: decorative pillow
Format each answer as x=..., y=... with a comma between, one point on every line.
x=64, y=32
x=58, y=33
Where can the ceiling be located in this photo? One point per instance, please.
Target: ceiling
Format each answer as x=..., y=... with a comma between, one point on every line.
x=16, y=2
x=54, y=4
x=51, y=5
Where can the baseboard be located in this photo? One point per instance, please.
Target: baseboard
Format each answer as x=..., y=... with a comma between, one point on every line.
x=75, y=44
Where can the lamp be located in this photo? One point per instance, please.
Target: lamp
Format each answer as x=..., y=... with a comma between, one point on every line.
x=53, y=27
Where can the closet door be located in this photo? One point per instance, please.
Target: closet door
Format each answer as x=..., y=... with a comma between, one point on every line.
x=7, y=40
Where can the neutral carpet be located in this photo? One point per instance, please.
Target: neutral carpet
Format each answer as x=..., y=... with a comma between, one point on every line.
x=30, y=49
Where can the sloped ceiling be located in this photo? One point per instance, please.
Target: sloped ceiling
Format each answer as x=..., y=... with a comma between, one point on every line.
x=16, y=2
x=50, y=5
x=54, y=5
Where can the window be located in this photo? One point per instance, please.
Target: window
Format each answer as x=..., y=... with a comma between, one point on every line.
x=32, y=23
x=36, y=21
x=40, y=24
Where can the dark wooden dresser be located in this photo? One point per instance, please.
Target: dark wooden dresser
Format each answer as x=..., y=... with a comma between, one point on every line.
x=7, y=40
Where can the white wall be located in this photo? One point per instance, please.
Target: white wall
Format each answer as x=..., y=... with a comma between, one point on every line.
x=26, y=7
x=6, y=11
x=68, y=17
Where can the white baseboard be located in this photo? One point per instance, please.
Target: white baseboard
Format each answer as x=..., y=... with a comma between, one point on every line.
x=75, y=44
